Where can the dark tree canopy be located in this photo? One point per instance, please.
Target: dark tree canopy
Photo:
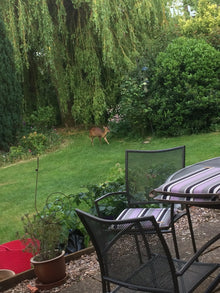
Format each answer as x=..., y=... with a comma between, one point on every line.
x=185, y=92
x=10, y=94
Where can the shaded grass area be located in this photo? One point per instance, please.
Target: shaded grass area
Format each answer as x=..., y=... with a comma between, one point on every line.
x=77, y=164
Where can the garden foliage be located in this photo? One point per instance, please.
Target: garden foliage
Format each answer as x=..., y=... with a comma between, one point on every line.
x=130, y=117
x=185, y=90
x=72, y=54
x=205, y=24
x=10, y=94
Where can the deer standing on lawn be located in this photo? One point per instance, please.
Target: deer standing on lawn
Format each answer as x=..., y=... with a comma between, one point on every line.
x=98, y=132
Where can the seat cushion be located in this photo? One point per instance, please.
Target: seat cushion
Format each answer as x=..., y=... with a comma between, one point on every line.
x=162, y=215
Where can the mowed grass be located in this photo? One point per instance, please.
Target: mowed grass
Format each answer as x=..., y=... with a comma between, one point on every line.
x=77, y=164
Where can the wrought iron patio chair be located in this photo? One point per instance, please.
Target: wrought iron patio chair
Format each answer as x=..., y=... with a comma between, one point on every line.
x=144, y=171
x=143, y=262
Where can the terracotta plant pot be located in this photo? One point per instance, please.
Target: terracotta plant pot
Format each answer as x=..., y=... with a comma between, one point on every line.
x=6, y=274
x=50, y=271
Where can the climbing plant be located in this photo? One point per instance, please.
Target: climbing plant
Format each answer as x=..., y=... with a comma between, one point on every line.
x=79, y=50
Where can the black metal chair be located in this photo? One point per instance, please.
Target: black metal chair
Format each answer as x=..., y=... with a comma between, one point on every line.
x=143, y=262
x=144, y=171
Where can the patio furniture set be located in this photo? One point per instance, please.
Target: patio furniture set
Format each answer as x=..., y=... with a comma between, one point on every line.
x=132, y=250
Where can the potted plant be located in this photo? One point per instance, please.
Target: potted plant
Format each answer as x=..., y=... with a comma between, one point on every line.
x=45, y=237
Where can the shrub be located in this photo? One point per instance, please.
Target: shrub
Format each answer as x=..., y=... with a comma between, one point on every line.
x=15, y=153
x=185, y=88
x=30, y=144
x=43, y=118
x=112, y=205
x=132, y=109
x=34, y=143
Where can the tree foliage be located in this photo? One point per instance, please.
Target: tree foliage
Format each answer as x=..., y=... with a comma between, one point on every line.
x=10, y=94
x=185, y=91
x=205, y=24
x=72, y=54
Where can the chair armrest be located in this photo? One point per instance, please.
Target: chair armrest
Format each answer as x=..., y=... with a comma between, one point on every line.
x=105, y=196
x=197, y=254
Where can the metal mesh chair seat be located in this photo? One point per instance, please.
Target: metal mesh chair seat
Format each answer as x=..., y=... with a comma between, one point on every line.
x=156, y=272
x=143, y=262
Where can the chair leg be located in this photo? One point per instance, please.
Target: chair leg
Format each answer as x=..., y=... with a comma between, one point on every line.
x=174, y=233
x=138, y=248
x=191, y=229
x=105, y=286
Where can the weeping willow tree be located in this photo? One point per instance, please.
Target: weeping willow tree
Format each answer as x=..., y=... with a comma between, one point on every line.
x=73, y=53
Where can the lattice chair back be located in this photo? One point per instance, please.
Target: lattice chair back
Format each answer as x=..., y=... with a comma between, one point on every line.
x=146, y=170
x=137, y=261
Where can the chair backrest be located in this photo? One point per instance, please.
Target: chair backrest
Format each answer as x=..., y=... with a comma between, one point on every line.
x=146, y=170
x=129, y=256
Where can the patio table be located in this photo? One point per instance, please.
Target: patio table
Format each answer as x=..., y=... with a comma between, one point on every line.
x=197, y=185
x=194, y=185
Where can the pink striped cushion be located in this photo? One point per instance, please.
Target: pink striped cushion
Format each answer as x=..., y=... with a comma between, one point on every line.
x=162, y=215
x=204, y=181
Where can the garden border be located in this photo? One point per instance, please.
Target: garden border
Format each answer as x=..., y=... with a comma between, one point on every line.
x=29, y=274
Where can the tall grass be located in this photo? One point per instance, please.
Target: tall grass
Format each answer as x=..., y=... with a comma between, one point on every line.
x=77, y=164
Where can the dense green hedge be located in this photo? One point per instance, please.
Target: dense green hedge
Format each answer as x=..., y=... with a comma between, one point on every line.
x=10, y=94
x=185, y=91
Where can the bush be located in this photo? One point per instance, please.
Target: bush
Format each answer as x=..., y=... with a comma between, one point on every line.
x=35, y=143
x=43, y=118
x=131, y=115
x=112, y=205
x=185, y=88
x=15, y=153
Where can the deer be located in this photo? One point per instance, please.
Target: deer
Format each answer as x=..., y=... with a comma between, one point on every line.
x=98, y=132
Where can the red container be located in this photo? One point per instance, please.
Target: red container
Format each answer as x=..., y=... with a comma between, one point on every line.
x=12, y=257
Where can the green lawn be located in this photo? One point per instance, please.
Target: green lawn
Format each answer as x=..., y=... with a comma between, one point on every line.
x=77, y=164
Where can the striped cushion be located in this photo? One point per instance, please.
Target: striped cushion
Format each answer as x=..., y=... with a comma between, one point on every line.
x=162, y=215
x=199, y=201
x=204, y=181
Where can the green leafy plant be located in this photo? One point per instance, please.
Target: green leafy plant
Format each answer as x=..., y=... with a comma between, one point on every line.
x=43, y=235
x=46, y=232
x=31, y=144
x=35, y=143
x=184, y=88
x=43, y=118
x=132, y=109
x=15, y=153
x=112, y=205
